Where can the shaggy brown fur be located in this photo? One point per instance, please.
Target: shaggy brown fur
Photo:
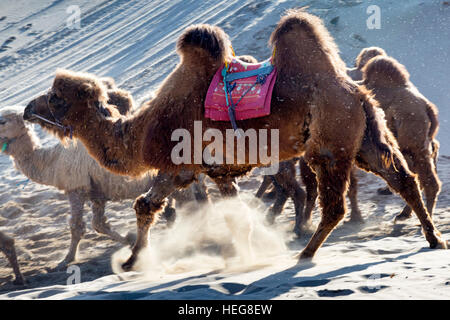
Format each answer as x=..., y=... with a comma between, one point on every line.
x=364, y=56
x=407, y=112
x=318, y=110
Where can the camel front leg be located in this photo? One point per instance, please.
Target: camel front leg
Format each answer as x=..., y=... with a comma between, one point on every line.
x=100, y=224
x=286, y=179
x=402, y=180
x=170, y=213
x=310, y=181
x=77, y=199
x=7, y=247
x=355, y=215
x=267, y=180
x=149, y=205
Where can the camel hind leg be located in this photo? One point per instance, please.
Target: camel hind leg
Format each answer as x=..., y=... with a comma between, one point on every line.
x=428, y=178
x=355, y=215
x=403, y=181
x=100, y=224
x=77, y=199
x=310, y=181
x=333, y=177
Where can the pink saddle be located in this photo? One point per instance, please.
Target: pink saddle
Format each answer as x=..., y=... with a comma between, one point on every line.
x=250, y=97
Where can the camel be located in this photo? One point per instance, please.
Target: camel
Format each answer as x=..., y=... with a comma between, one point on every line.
x=317, y=109
x=72, y=170
x=407, y=111
x=361, y=60
x=7, y=247
x=284, y=190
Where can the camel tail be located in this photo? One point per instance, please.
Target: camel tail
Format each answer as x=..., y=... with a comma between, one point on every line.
x=432, y=114
x=377, y=131
x=211, y=40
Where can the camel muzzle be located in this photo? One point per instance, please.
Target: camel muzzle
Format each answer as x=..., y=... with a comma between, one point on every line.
x=28, y=112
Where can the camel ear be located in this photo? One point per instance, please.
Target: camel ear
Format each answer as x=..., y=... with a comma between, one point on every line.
x=87, y=92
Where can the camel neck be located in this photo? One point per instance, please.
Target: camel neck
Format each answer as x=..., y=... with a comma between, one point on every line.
x=113, y=143
x=20, y=147
x=27, y=157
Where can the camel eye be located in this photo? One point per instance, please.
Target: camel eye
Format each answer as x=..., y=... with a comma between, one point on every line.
x=53, y=98
x=55, y=101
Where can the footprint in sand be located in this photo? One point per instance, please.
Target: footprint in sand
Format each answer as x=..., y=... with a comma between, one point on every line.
x=5, y=46
x=26, y=27
x=371, y=289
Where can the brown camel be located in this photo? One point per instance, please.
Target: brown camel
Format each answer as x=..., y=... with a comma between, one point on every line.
x=361, y=60
x=407, y=111
x=318, y=112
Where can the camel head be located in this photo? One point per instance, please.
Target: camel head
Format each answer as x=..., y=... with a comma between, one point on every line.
x=74, y=99
x=366, y=54
x=11, y=126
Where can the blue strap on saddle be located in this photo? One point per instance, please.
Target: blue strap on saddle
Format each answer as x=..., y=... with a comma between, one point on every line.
x=261, y=75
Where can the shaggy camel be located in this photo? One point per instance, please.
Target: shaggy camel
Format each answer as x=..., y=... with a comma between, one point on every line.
x=7, y=247
x=407, y=111
x=361, y=60
x=72, y=169
x=319, y=112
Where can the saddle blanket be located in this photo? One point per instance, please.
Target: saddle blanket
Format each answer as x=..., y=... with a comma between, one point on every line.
x=254, y=103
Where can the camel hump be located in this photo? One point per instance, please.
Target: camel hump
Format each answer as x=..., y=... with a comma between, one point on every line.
x=211, y=39
x=385, y=72
x=366, y=54
x=302, y=43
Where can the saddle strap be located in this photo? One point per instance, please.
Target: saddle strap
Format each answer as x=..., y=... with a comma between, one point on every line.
x=247, y=74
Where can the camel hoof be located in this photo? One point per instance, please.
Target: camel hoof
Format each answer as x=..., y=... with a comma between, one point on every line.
x=305, y=257
x=402, y=217
x=355, y=221
x=441, y=244
x=19, y=282
x=129, y=264
x=384, y=191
